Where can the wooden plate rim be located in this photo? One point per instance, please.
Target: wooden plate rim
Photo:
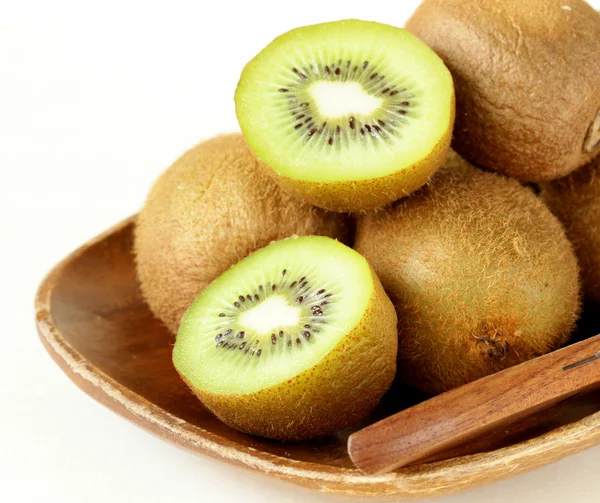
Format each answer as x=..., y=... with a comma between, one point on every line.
x=421, y=481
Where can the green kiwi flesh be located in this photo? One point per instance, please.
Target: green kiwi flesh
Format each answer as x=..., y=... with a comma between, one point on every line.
x=350, y=115
x=527, y=77
x=575, y=200
x=297, y=340
x=481, y=274
x=209, y=210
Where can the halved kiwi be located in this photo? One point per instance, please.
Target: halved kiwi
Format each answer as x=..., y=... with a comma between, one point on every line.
x=350, y=115
x=295, y=341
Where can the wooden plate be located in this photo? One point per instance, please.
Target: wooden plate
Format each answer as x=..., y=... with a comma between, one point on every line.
x=94, y=323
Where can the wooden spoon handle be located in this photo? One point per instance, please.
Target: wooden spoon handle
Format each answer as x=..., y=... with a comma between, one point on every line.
x=457, y=416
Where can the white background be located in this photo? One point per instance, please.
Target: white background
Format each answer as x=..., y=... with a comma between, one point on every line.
x=95, y=100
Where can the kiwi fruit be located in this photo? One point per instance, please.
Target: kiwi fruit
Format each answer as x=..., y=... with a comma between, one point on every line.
x=527, y=77
x=575, y=200
x=208, y=211
x=349, y=115
x=481, y=274
x=297, y=340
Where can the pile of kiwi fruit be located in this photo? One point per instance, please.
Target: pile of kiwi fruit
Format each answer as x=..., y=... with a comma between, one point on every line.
x=417, y=206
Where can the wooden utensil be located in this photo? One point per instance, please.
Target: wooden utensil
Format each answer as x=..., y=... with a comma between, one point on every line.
x=471, y=411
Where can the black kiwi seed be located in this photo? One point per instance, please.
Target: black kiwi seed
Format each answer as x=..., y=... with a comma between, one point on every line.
x=298, y=341
x=236, y=304
x=258, y=353
x=256, y=297
x=218, y=337
x=274, y=287
x=249, y=297
x=222, y=315
x=321, y=291
x=283, y=272
x=227, y=332
x=281, y=333
x=293, y=284
x=306, y=326
x=242, y=298
x=306, y=335
x=299, y=299
x=273, y=339
x=242, y=345
x=241, y=335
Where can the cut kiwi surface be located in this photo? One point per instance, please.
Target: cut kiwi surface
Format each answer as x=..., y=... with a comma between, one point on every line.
x=350, y=115
x=297, y=340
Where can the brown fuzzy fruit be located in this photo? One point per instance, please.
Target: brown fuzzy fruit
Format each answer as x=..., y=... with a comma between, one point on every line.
x=575, y=200
x=481, y=274
x=527, y=78
x=209, y=210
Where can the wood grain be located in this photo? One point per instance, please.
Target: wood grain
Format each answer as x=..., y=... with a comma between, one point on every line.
x=93, y=322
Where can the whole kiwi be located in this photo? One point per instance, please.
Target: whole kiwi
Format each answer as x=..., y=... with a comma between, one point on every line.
x=481, y=274
x=527, y=79
x=575, y=200
x=209, y=210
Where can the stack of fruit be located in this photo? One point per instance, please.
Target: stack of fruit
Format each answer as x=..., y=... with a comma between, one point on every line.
x=458, y=269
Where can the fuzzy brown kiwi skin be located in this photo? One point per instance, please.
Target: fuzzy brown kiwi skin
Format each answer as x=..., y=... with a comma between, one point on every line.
x=354, y=196
x=575, y=200
x=337, y=392
x=527, y=80
x=481, y=274
x=209, y=210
